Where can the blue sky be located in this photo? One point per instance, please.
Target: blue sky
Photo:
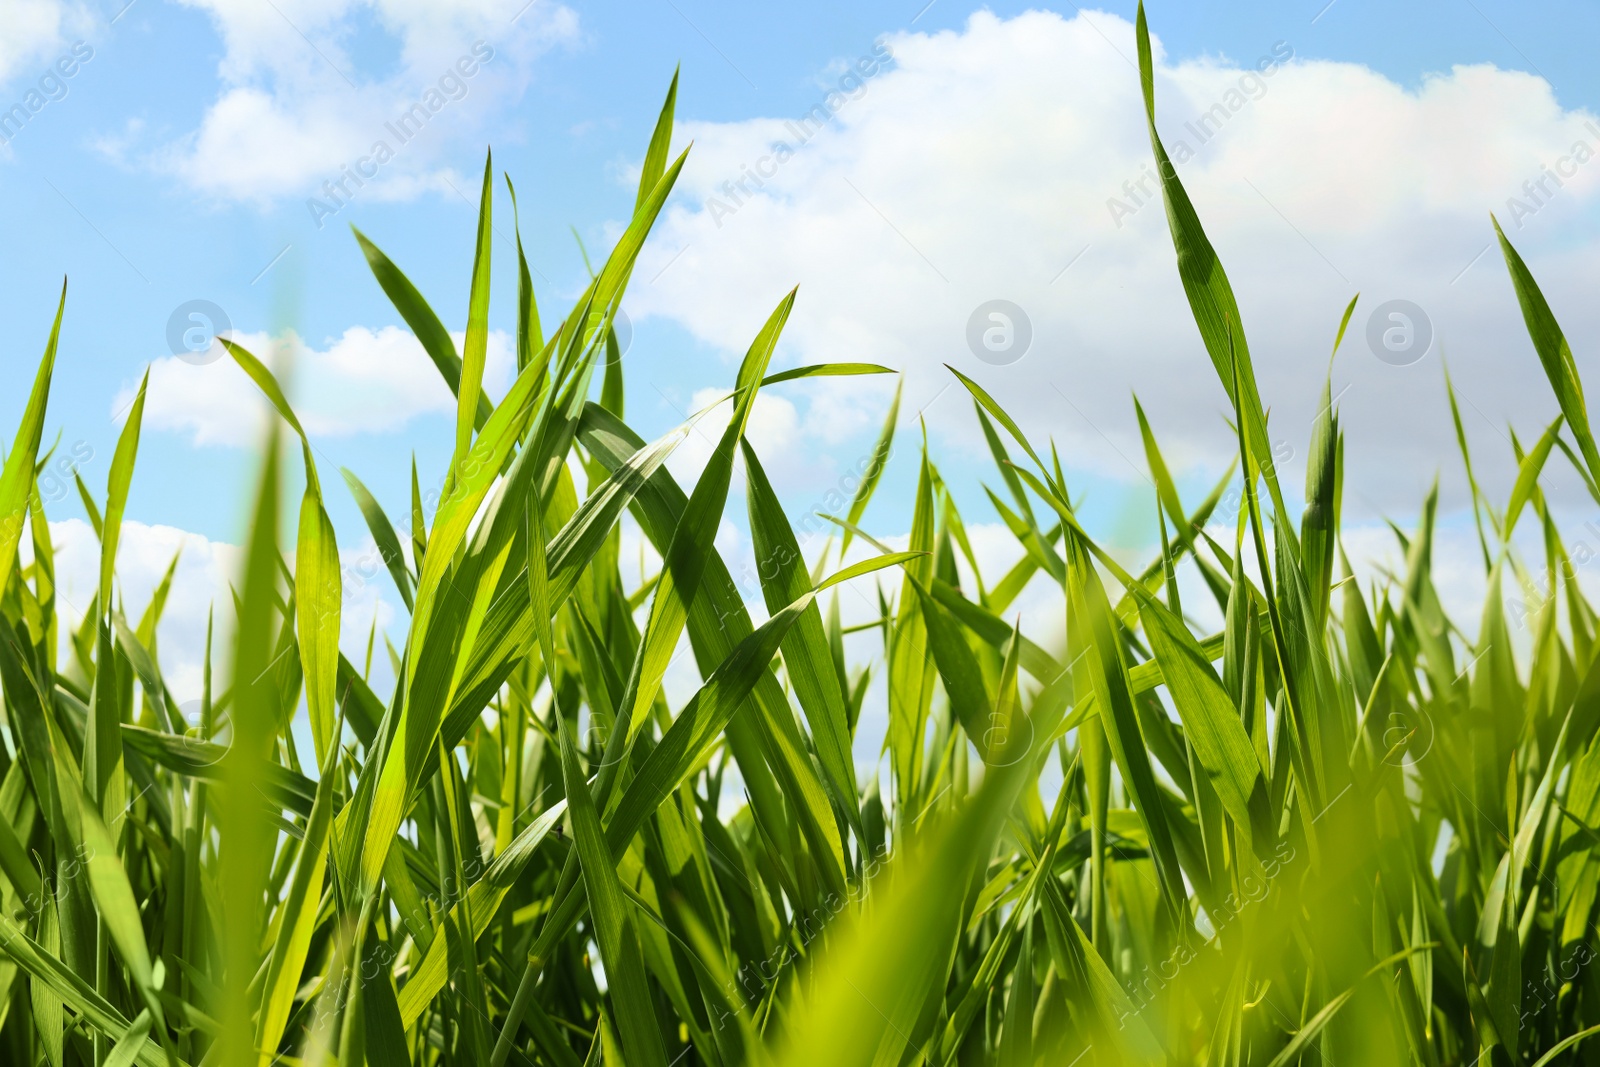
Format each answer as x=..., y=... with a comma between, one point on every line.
x=177, y=163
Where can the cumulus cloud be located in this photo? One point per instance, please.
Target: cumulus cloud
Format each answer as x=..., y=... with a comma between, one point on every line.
x=298, y=105
x=774, y=431
x=365, y=381
x=1009, y=161
x=200, y=590
x=35, y=31
x=144, y=553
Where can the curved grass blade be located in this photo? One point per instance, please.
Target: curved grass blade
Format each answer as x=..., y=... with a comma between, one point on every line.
x=429, y=331
x=16, y=478
x=1551, y=346
x=475, y=349
x=383, y=535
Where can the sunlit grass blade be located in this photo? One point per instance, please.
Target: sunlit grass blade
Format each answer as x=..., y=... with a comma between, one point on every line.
x=1551, y=346
x=476, y=346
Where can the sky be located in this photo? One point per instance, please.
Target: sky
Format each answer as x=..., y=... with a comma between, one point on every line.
x=914, y=168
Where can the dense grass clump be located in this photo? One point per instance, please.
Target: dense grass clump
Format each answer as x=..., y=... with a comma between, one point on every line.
x=524, y=854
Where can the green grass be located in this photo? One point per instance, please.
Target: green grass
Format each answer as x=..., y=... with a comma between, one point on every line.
x=523, y=853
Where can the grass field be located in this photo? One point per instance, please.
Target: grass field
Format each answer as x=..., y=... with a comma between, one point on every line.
x=1345, y=829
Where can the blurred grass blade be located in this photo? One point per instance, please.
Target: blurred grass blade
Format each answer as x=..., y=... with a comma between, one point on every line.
x=474, y=350
x=613, y=919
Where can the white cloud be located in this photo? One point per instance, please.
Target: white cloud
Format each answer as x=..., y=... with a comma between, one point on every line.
x=298, y=104
x=143, y=555
x=774, y=431
x=200, y=587
x=35, y=30
x=982, y=164
x=798, y=449
x=363, y=382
